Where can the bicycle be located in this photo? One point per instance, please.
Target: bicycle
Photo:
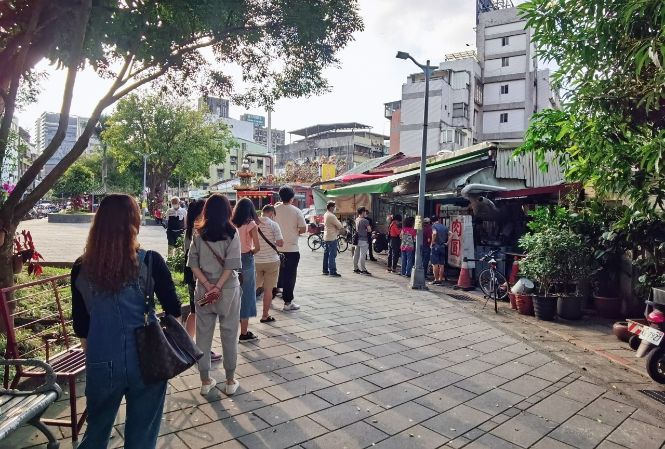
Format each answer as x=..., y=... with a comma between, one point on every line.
x=493, y=284
x=315, y=241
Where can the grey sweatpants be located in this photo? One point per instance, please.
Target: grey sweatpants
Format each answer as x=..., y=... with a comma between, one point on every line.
x=359, y=255
x=227, y=310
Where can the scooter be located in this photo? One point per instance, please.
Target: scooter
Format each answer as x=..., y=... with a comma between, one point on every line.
x=651, y=345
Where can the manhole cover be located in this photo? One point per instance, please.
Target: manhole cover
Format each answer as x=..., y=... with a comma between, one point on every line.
x=655, y=395
x=459, y=296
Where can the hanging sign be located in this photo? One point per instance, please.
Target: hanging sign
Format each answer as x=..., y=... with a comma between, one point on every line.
x=461, y=241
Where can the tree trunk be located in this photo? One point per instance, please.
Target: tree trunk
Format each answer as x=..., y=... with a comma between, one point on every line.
x=6, y=267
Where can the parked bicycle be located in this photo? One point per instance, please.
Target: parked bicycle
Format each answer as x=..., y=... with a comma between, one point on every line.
x=315, y=240
x=493, y=284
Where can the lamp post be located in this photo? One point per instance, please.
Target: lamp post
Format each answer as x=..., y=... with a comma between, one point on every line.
x=418, y=272
x=145, y=190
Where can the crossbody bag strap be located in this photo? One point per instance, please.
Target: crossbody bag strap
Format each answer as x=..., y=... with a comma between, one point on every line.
x=263, y=236
x=149, y=291
x=214, y=253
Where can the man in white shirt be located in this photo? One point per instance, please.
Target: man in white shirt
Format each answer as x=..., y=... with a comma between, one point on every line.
x=292, y=223
x=175, y=223
x=331, y=228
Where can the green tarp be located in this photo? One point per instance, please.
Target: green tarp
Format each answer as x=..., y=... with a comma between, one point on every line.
x=386, y=184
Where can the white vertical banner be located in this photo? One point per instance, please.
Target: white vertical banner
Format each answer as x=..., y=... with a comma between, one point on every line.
x=461, y=241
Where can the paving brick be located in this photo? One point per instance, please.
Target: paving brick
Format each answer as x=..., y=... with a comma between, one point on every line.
x=458, y=443
x=348, y=358
x=462, y=355
x=494, y=401
x=346, y=391
x=470, y=368
x=356, y=436
x=437, y=380
x=445, y=399
x=526, y=385
x=428, y=365
x=606, y=411
x=556, y=408
x=550, y=443
x=474, y=434
x=456, y=421
x=552, y=371
x=237, y=404
x=417, y=437
x=291, y=409
x=221, y=431
x=391, y=376
x=632, y=433
x=510, y=370
x=581, y=432
x=399, y=418
x=395, y=395
x=347, y=373
x=480, y=383
x=342, y=415
x=304, y=369
x=386, y=349
x=298, y=387
x=388, y=361
x=489, y=441
x=499, y=357
x=524, y=429
x=284, y=435
x=581, y=391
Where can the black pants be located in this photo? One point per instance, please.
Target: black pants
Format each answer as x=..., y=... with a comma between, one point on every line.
x=394, y=252
x=287, y=276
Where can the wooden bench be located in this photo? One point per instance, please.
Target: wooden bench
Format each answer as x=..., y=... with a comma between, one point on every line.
x=36, y=327
x=26, y=407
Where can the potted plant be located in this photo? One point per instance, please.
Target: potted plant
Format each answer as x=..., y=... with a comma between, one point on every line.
x=578, y=265
x=606, y=280
x=542, y=265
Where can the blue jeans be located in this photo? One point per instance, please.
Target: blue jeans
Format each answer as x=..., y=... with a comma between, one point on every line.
x=426, y=253
x=330, y=256
x=408, y=258
x=248, y=299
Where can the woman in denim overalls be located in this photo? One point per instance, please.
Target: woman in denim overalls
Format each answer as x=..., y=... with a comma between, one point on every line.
x=107, y=307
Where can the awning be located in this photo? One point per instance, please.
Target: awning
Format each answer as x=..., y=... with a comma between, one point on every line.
x=357, y=177
x=386, y=184
x=255, y=193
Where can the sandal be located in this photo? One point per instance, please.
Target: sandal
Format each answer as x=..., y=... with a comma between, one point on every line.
x=267, y=320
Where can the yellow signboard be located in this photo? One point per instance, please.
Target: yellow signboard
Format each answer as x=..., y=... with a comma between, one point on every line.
x=328, y=171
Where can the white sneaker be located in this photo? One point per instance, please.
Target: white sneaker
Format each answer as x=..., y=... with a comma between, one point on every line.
x=205, y=389
x=231, y=389
x=291, y=306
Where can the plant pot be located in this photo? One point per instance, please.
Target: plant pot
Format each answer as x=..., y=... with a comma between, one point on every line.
x=607, y=307
x=524, y=304
x=544, y=307
x=513, y=301
x=569, y=307
x=620, y=329
x=17, y=263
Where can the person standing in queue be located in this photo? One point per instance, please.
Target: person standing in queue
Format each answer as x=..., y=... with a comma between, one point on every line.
x=331, y=229
x=292, y=223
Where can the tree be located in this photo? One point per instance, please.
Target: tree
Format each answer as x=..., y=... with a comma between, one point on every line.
x=77, y=180
x=610, y=132
x=179, y=141
x=282, y=48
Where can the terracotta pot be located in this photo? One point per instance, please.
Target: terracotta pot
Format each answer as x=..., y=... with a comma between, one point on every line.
x=607, y=307
x=524, y=304
x=17, y=263
x=569, y=307
x=513, y=303
x=544, y=307
x=620, y=329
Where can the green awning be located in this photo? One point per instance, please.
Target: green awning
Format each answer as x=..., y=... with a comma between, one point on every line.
x=385, y=185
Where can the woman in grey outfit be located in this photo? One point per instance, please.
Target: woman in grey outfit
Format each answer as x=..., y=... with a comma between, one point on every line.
x=214, y=255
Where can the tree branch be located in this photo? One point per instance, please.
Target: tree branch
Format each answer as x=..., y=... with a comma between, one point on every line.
x=73, y=65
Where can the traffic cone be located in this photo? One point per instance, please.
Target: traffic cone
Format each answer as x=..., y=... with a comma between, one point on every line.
x=464, y=280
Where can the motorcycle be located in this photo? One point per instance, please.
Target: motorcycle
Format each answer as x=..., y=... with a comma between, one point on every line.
x=379, y=242
x=651, y=337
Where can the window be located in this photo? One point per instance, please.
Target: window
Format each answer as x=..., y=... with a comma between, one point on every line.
x=505, y=62
x=504, y=89
x=478, y=94
x=505, y=41
x=446, y=135
x=220, y=173
x=459, y=137
x=233, y=160
x=460, y=110
x=259, y=163
x=503, y=118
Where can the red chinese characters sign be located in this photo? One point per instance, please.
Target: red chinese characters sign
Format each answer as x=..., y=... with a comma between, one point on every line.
x=461, y=240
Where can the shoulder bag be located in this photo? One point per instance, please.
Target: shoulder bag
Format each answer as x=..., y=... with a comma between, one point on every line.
x=220, y=259
x=282, y=257
x=164, y=347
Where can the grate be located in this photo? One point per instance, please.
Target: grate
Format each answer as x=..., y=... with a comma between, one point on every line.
x=655, y=395
x=459, y=296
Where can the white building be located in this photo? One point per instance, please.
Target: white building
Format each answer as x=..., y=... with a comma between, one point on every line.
x=490, y=96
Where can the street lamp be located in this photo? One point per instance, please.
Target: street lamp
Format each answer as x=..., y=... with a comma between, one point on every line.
x=418, y=274
x=145, y=191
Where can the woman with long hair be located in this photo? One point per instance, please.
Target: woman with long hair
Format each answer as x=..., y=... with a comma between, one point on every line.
x=214, y=255
x=246, y=221
x=108, y=284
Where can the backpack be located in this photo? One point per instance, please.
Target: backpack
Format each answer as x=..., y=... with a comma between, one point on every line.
x=407, y=240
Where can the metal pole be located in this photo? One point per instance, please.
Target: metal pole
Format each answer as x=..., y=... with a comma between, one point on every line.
x=145, y=192
x=418, y=275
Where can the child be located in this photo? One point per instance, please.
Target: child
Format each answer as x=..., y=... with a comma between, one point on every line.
x=408, y=247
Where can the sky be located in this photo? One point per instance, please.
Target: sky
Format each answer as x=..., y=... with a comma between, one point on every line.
x=369, y=74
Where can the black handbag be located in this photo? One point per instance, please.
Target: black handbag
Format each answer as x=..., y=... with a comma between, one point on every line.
x=164, y=347
x=282, y=257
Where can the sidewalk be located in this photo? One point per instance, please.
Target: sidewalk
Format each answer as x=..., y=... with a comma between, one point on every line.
x=368, y=362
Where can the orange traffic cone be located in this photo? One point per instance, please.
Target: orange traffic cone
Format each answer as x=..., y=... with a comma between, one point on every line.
x=464, y=280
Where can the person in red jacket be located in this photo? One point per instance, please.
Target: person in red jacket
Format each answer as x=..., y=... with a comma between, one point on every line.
x=394, y=242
